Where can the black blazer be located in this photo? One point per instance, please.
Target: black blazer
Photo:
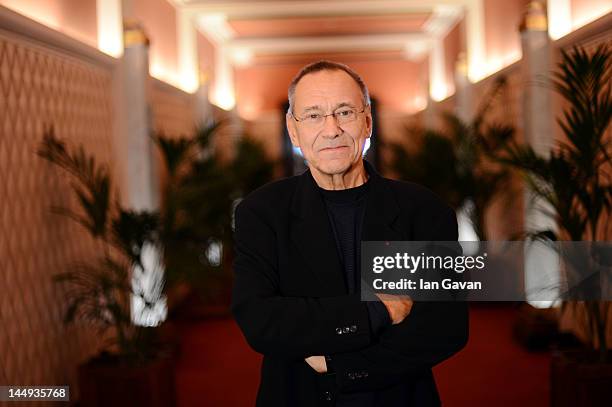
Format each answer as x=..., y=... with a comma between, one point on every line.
x=290, y=299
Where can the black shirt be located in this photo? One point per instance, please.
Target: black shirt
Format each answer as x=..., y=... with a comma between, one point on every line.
x=346, y=209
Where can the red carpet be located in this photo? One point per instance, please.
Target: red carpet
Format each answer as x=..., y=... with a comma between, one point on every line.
x=491, y=371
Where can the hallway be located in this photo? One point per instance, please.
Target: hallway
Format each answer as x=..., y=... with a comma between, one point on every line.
x=131, y=131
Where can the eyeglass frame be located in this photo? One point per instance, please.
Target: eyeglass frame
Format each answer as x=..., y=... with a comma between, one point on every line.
x=331, y=114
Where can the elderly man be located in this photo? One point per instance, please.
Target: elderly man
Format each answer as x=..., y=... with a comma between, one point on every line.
x=296, y=293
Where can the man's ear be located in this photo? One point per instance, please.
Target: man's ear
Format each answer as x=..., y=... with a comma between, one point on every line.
x=292, y=130
x=369, y=121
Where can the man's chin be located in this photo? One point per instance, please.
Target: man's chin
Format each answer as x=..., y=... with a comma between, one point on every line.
x=335, y=167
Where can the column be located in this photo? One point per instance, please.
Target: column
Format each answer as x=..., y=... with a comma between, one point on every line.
x=141, y=184
x=541, y=262
x=143, y=191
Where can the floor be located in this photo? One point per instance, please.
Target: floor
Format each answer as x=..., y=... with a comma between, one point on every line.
x=491, y=371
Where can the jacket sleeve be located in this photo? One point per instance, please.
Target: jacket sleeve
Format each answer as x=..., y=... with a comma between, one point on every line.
x=432, y=332
x=287, y=327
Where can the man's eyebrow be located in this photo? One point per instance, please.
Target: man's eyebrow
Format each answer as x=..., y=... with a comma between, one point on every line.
x=338, y=106
x=313, y=107
x=344, y=104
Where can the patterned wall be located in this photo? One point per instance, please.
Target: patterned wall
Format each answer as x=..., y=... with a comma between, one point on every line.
x=172, y=115
x=40, y=87
x=172, y=109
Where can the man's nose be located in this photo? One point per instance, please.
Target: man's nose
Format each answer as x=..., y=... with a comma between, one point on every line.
x=331, y=127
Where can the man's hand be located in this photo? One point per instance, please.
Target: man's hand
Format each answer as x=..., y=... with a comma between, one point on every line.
x=398, y=306
x=317, y=363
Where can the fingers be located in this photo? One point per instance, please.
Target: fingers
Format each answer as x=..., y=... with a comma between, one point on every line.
x=398, y=306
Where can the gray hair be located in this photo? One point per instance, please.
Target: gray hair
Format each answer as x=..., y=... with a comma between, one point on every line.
x=324, y=65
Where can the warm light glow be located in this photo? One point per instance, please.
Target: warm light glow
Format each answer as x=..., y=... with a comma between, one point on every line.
x=187, y=52
x=110, y=27
x=438, y=91
x=414, y=104
x=559, y=18
x=224, y=99
x=494, y=64
x=189, y=83
x=497, y=63
x=419, y=103
x=216, y=27
x=476, y=54
x=160, y=72
x=43, y=12
x=415, y=50
x=249, y=111
x=585, y=15
x=242, y=57
x=223, y=88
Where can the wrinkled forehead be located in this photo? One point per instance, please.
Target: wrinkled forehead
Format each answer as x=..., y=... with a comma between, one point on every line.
x=327, y=89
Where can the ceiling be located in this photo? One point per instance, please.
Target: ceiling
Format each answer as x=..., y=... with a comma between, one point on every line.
x=328, y=26
x=257, y=30
x=261, y=34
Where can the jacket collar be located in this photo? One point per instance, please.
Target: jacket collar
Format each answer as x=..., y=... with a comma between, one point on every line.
x=312, y=232
x=382, y=206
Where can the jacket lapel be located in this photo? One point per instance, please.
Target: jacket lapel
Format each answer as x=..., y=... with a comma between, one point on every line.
x=382, y=210
x=312, y=234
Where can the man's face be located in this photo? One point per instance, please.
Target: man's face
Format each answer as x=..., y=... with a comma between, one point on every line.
x=329, y=147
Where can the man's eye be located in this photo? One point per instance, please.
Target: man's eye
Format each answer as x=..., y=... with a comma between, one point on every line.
x=313, y=116
x=344, y=113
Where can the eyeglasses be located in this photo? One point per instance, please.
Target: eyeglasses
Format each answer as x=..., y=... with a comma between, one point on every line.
x=343, y=115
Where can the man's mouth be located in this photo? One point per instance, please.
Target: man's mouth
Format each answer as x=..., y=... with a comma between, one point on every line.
x=333, y=148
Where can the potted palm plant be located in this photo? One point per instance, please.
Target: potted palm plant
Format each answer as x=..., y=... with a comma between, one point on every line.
x=575, y=183
x=136, y=367
x=199, y=198
x=145, y=252
x=454, y=163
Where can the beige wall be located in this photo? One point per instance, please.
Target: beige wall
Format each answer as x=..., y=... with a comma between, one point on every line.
x=502, y=19
x=172, y=110
x=43, y=85
x=267, y=130
x=394, y=83
x=585, y=11
x=76, y=18
x=454, y=44
x=159, y=20
x=39, y=88
x=206, y=58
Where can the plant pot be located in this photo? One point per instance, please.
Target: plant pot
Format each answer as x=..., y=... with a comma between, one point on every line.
x=578, y=379
x=535, y=329
x=111, y=382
